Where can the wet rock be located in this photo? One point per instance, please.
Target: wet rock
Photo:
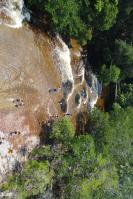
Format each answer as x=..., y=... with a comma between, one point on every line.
x=77, y=99
x=67, y=88
x=63, y=105
x=31, y=63
x=27, y=71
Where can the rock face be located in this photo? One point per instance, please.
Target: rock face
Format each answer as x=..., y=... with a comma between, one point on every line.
x=33, y=71
x=39, y=79
x=27, y=71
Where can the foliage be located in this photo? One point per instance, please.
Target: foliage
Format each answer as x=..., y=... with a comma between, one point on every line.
x=117, y=139
x=120, y=147
x=124, y=57
x=63, y=130
x=84, y=166
x=78, y=18
x=120, y=137
x=99, y=124
x=115, y=131
x=85, y=170
x=99, y=163
x=115, y=45
x=125, y=97
x=33, y=180
x=124, y=25
x=43, y=152
x=110, y=75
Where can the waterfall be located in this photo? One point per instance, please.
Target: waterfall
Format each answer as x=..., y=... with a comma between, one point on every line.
x=11, y=13
x=81, y=71
x=63, y=57
x=95, y=88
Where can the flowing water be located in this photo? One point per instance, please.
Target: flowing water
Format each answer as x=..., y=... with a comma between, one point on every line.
x=11, y=13
x=63, y=57
x=95, y=90
x=27, y=71
x=31, y=63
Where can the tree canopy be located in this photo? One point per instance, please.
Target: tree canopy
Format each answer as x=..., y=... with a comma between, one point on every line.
x=97, y=163
x=110, y=75
x=124, y=57
x=78, y=18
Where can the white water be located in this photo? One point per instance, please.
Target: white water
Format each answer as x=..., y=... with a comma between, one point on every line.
x=12, y=10
x=63, y=57
x=81, y=71
x=95, y=91
x=92, y=102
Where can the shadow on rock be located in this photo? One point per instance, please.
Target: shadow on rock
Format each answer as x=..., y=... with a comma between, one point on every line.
x=67, y=88
x=63, y=105
x=81, y=122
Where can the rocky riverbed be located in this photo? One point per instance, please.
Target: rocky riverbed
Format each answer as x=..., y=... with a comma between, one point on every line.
x=35, y=71
x=41, y=79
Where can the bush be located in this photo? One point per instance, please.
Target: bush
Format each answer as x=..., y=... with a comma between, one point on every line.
x=78, y=18
x=63, y=130
x=33, y=180
x=110, y=75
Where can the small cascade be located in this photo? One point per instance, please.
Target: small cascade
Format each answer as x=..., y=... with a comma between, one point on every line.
x=64, y=60
x=81, y=72
x=63, y=57
x=95, y=89
x=12, y=14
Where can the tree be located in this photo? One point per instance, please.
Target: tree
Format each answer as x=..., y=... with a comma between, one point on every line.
x=63, y=130
x=98, y=125
x=110, y=75
x=115, y=131
x=124, y=57
x=124, y=25
x=88, y=171
x=120, y=147
x=120, y=136
x=78, y=18
x=116, y=137
x=125, y=97
x=33, y=180
x=114, y=73
x=107, y=12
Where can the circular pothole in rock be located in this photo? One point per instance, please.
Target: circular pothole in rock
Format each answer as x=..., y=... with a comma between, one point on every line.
x=67, y=88
x=77, y=99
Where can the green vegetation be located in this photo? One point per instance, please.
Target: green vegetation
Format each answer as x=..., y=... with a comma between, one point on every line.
x=97, y=164
x=63, y=130
x=117, y=139
x=105, y=27
x=78, y=18
x=85, y=170
x=125, y=97
x=124, y=57
x=33, y=180
x=109, y=75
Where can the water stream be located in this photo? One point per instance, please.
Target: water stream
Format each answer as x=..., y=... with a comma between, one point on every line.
x=12, y=13
x=63, y=58
x=95, y=89
x=30, y=64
